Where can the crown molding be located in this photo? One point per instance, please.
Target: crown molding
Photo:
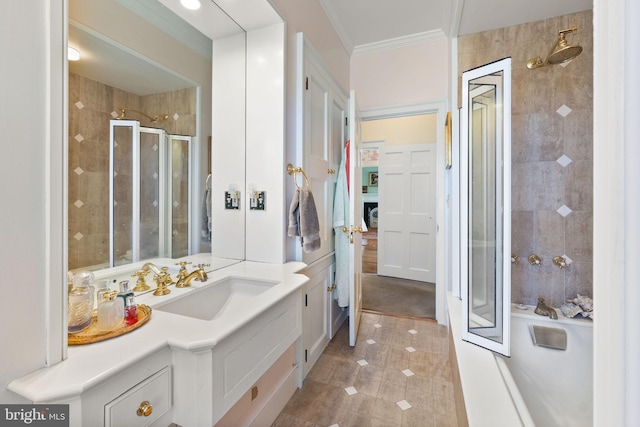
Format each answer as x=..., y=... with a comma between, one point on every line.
x=398, y=42
x=337, y=26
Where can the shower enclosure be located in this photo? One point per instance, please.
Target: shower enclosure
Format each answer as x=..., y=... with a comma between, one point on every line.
x=148, y=193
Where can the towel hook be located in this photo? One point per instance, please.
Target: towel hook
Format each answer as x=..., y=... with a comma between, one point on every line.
x=293, y=171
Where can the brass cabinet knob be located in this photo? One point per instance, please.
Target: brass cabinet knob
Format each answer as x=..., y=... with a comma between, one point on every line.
x=145, y=409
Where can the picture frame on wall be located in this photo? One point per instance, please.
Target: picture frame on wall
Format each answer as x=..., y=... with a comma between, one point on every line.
x=364, y=189
x=447, y=141
x=373, y=179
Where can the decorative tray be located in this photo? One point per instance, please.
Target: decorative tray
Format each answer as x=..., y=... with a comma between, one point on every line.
x=91, y=334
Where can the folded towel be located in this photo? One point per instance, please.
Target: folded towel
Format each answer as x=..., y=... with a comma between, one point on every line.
x=309, y=224
x=294, y=216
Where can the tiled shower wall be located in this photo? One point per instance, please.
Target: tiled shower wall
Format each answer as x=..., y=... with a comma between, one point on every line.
x=552, y=154
x=91, y=106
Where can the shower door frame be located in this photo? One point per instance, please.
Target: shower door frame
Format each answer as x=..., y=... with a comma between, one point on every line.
x=165, y=174
x=496, y=335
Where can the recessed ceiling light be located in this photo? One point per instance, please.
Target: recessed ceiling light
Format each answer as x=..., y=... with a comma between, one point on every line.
x=73, y=54
x=191, y=4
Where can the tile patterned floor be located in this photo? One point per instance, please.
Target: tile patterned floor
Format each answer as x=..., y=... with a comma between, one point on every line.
x=398, y=374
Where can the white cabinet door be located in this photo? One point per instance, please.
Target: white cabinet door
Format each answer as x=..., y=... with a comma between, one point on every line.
x=322, y=121
x=315, y=317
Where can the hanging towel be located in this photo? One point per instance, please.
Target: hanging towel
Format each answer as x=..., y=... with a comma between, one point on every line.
x=341, y=219
x=205, y=226
x=294, y=216
x=303, y=220
x=309, y=224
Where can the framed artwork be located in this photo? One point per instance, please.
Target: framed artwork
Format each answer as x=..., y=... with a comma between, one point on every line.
x=447, y=141
x=373, y=179
x=364, y=189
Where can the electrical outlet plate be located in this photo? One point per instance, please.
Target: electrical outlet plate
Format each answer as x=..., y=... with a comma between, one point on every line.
x=258, y=201
x=231, y=200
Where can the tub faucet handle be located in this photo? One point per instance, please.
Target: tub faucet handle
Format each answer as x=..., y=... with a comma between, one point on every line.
x=514, y=259
x=561, y=262
x=535, y=260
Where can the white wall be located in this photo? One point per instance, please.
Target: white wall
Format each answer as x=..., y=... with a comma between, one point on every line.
x=32, y=165
x=403, y=76
x=265, y=145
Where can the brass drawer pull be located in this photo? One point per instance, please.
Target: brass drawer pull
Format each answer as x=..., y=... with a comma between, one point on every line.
x=145, y=409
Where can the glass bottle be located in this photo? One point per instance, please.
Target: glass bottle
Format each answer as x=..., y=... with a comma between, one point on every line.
x=128, y=303
x=80, y=302
x=102, y=288
x=110, y=312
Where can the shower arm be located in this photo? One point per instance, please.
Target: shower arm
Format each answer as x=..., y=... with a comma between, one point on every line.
x=152, y=119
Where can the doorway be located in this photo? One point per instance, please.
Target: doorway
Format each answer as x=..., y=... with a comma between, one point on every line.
x=392, y=254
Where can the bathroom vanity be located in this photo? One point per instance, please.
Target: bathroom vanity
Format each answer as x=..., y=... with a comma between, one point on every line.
x=195, y=361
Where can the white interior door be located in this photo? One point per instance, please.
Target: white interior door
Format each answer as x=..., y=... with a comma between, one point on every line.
x=355, y=217
x=406, y=212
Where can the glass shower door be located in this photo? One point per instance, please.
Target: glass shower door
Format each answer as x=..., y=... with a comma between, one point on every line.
x=149, y=192
x=486, y=217
x=179, y=195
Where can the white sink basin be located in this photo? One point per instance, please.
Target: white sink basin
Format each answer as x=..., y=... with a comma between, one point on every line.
x=211, y=302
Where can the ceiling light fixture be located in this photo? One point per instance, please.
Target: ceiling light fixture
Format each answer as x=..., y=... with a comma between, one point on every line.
x=73, y=54
x=191, y=4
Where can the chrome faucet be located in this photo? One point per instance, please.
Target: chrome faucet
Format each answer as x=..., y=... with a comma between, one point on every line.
x=544, y=310
x=184, y=280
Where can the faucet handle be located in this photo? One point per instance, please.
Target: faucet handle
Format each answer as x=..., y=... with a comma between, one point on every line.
x=561, y=262
x=202, y=266
x=163, y=279
x=141, y=284
x=535, y=260
x=514, y=259
x=183, y=266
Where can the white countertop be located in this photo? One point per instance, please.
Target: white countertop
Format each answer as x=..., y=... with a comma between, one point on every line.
x=89, y=365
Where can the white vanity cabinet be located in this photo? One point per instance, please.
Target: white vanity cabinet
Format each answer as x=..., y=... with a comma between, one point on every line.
x=321, y=315
x=211, y=380
x=140, y=395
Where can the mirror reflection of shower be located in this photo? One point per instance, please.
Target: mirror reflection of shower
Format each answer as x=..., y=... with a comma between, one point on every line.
x=148, y=193
x=560, y=53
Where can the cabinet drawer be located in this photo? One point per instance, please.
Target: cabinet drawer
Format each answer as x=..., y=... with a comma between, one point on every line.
x=127, y=409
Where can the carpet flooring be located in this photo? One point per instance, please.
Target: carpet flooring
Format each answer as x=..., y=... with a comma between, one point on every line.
x=400, y=297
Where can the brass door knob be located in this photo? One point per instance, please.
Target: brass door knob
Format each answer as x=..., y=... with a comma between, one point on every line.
x=145, y=409
x=330, y=288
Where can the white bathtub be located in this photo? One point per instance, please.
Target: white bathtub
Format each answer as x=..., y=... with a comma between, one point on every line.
x=537, y=386
x=556, y=385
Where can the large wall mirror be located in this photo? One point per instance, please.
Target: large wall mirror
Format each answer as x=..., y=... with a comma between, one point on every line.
x=486, y=215
x=140, y=129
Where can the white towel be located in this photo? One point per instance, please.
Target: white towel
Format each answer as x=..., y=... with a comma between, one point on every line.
x=341, y=219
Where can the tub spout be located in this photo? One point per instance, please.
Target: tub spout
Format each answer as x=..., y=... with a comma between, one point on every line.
x=544, y=310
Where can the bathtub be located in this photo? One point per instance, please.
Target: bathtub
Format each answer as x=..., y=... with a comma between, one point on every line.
x=536, y=386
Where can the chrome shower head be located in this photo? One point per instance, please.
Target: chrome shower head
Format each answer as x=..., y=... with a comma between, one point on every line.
x=560, y=52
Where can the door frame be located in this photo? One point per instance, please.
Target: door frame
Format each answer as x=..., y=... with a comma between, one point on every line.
x=438, y=107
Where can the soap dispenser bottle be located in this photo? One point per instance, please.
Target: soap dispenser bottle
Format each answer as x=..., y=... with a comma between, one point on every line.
x=110, y=312
x=80, y=302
